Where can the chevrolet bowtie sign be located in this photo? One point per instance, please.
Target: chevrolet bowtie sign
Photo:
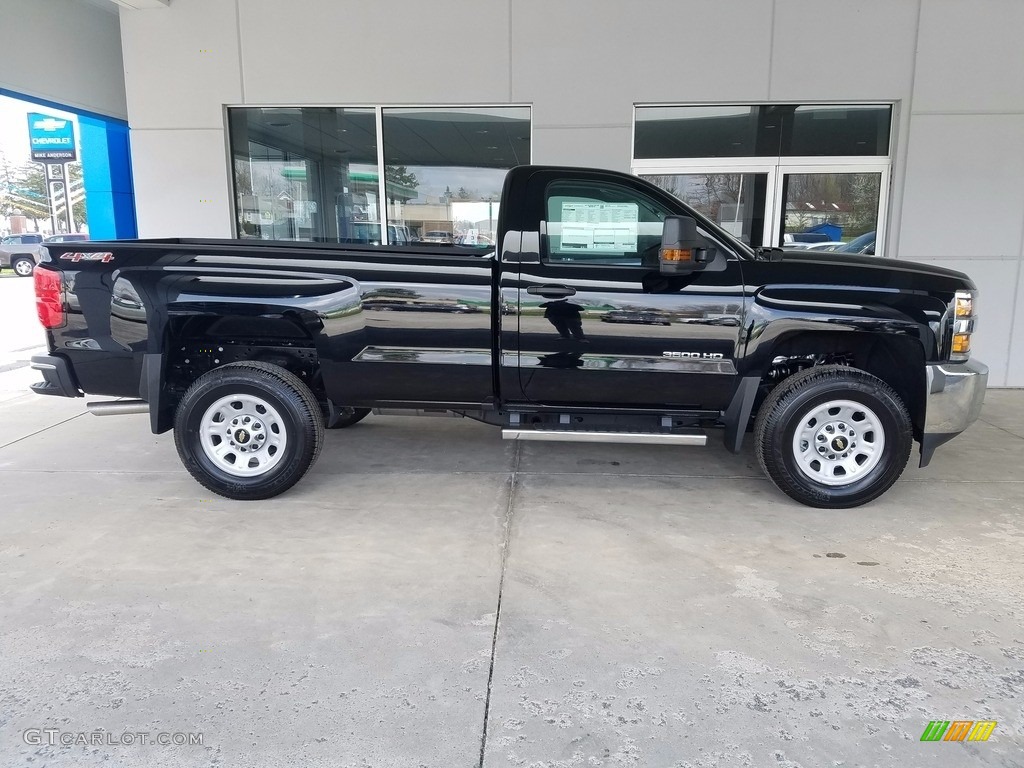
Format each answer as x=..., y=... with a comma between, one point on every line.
x=52, y=139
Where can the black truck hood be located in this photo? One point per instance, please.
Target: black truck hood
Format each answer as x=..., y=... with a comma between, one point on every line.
x=834, y=260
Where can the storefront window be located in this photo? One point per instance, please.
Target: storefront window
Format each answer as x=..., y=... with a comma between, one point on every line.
x=313, y=173
x=764, y=130
x=796, y=176
x=305, y=173
x=444, y=169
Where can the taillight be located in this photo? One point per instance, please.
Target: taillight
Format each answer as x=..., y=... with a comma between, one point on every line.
x=49, y=302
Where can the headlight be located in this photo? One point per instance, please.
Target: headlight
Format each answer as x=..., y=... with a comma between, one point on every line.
x=963, y=325
x=964, y=304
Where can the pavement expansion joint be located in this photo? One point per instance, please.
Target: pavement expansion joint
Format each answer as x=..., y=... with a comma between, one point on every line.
x=1002, y=429
x=44, y=429
x=506, y=537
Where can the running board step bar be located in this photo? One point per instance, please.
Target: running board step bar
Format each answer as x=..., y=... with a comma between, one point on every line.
x=581, y=436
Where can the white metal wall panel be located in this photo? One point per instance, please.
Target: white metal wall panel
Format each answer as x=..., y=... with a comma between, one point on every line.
x=970, y=57
x=582, y=62
x=963, y=195
x=324, y=51
x=181, y=183
x=181, y=65
x=836, y=50
x=65, y=51
x=601, y=147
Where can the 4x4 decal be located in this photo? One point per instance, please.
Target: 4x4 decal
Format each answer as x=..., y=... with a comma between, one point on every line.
x=104, y=256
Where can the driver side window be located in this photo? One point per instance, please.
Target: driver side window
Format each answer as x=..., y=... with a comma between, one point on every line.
x=601, y=224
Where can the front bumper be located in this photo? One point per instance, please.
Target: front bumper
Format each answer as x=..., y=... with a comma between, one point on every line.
x=955, y=394
x=57, y=378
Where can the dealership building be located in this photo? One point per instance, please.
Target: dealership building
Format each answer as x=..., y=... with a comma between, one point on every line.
x=898, y=124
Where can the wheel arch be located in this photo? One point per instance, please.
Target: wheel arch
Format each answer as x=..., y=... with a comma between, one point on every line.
x=825, y=390
x=196, y=341
x=896, y=359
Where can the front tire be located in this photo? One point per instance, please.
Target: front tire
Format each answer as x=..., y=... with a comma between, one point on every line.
x=23, y=267
x=833, y=437
x=248, y=430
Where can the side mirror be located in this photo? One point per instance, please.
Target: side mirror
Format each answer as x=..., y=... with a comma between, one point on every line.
x=682, y=250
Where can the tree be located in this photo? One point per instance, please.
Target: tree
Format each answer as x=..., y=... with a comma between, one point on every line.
x=7, y=206
x=399, y=175
x=23, y=191
x=76, y=189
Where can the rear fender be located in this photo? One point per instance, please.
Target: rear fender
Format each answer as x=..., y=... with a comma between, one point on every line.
x=276, y=318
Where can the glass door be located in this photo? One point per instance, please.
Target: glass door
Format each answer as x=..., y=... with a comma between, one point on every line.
x=790, y=175
x=738, y=198
x=832, y=208
x=835, y=207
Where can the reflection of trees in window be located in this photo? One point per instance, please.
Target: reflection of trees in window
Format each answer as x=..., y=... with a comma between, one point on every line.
x=243, y=177
x=704, y=192
x=864, y=192
x=848, y=200
x=398, y=175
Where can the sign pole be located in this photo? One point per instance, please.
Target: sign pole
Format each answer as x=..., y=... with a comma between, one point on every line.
x=52, y=204
x=57, y=186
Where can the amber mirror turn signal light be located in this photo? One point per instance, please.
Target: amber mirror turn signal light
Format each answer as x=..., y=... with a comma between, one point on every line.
x=682, y=249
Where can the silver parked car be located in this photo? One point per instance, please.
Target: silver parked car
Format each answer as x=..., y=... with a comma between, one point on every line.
x=20, y=252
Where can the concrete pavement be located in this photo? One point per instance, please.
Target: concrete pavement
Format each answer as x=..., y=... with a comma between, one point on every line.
x=431, y=596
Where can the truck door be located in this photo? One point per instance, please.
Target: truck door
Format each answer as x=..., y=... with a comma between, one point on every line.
x=597, y=322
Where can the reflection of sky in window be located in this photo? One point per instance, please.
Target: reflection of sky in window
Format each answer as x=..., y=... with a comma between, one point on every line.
x=481, y=183
x=692, y=113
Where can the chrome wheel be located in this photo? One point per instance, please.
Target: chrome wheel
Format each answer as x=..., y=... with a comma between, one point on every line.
x=243, y=435
x=833, y=436
x=248, y=430
x=838, y=442
x=23, y=267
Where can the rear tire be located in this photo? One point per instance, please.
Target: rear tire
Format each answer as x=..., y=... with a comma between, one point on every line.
x=23, y=266
x=248, y=430
x=833, y=437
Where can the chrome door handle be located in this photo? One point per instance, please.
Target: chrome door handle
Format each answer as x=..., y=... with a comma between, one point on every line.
x=551, y=291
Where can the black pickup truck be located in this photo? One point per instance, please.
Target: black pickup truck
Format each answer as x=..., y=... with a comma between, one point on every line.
x=609, y=311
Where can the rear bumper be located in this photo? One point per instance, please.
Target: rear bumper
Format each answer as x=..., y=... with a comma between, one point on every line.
x=57, y=378
x=956, y=392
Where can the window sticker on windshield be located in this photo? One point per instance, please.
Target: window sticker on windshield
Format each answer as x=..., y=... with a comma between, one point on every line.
x=599, y=226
